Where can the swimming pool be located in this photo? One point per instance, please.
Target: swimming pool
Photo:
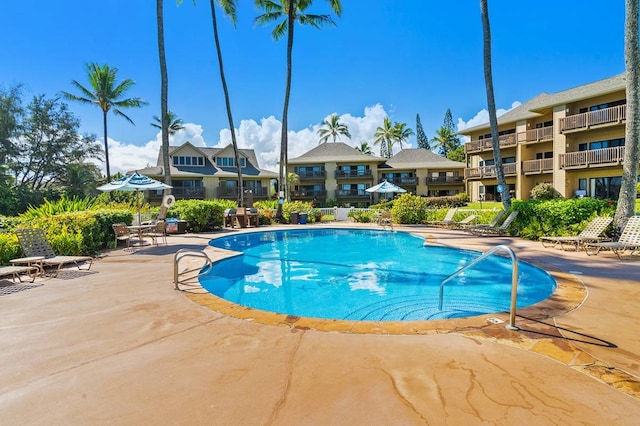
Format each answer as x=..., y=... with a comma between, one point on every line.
x=365, y=275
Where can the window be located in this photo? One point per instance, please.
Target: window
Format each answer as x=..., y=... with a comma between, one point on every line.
x=188, y=161
x=186, y=183
x=541, y=155
x=605, y=187
x=601, y=144
x=229, y=162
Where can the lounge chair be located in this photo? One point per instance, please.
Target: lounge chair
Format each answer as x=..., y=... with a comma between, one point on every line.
x=448, y=219
x=493, y=223
x=122, y=233
x=629, y=240
x=464, y=223
x=590, y=234
x=15, y=272
x=495, y=230
x=34, y=243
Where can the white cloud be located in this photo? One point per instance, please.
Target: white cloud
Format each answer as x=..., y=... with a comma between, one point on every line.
x=263, y=138
x=482, y=117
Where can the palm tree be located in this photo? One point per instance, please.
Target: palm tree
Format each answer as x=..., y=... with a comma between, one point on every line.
x=445, y=140
x=628, y=189
x=491, y=106
x=332, y=128
x=164, y=97
x=401, y=132
x=364, y=148
x=385, y=136
x=107, y=95
x=287, y=12
x=175, y=123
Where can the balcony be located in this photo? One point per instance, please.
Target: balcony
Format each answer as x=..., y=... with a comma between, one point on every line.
x=180, y=193
x=232, y=192
x=351, y=174
x=309, y=195
x=531, y=167
x=479, y=145
x=445, y=180
x=312, y=174
x=592, y=158
x=510, y=169
x=536, y=135
x=401, y=180
x=352, y=193
x=586, y=120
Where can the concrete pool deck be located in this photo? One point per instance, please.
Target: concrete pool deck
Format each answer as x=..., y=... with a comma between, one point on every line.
x=118, y=345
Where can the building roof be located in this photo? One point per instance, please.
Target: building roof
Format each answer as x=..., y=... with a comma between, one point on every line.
x=338, y=152
x=420, y=158
x=544, y=102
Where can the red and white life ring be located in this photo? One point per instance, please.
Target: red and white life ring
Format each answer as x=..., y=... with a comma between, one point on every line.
x=168, y=200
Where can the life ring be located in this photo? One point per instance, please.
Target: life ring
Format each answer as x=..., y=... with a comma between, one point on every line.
x=168, y=200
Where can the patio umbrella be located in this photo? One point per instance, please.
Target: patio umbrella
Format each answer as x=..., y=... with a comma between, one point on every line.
x=385, y=187
x=134, y=182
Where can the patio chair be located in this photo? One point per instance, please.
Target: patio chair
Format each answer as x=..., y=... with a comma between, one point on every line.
x=384, y=219
x=228, y=217
x=15, y=272
x=34, y=243
x=448, y=219
x=122, y=233
x=496, y=230
x=629, y=240
x=590, y=234
x=157, y=232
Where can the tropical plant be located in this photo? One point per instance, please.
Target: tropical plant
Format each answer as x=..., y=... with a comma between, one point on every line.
x=491, y=105
x=286, y=13
x=445, y=141
x=292, y=179
x=107, y=95
x=401, y=133
x=544, y=191
x=332, y=128
x=175, y=123
x=628, y=191
x=80, y=179
x=364, y=148
x=423, y=141
x=385, y=137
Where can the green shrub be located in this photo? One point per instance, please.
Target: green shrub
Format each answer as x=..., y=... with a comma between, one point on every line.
x=409, y=209
x=544, y=191
x=362, y=216
x=200, y=215
x=9, y=247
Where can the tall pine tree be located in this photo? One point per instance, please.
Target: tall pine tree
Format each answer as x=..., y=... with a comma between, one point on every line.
x=423, y=141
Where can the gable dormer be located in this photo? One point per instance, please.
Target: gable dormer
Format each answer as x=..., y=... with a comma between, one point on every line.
x=187, y=155
x=226, y=158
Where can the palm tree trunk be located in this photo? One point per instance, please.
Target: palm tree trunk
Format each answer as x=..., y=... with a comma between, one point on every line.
x=628, y=191
x=164, y=95
x=106, y=145
x=228, y=103
x=491, y=105
x=284, y=157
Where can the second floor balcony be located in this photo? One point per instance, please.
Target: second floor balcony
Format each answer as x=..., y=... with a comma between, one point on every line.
x=352, y=193
x=486, y=144
x=232, y=192
x=309, y=195
x=181, y=193
x=510, y=169
x=351, y=174
x=544, y=165
x=444, y=180
x=601, y=117
x=404, y=180
x=536, y=135
x=311, y=174
x=592, y=158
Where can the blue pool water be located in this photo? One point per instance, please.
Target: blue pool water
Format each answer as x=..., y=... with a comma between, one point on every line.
x=365, y=275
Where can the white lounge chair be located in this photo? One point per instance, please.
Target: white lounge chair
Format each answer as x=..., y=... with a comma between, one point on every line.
x=629, y=240
x=590, y=234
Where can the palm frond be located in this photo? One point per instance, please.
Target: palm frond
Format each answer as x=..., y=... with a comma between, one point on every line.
x=230, y=8
x=316, y=21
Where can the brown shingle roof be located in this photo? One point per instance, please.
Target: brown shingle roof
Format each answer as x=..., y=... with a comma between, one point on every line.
x=420, y=158
x=337, y=152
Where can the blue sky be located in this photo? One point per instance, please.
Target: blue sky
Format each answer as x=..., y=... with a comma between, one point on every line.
x=385, y=58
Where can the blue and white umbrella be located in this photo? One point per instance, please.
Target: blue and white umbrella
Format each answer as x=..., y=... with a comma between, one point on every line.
x=134, y=182
x=385, y=187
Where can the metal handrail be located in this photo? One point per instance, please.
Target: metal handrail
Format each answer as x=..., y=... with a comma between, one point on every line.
x=514, y=281
x=183, y=253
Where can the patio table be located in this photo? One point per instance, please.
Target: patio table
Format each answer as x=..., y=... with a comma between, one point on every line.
x=140, y=230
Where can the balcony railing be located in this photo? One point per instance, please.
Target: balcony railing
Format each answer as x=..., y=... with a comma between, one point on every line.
x=538, y=166
x=312, y=174
x=444, y=180
x=232, y=192
x=345, y=174
x=352, y=193
x=585, y=120
x=536, y=135
x=401, y=180
x=309, y=194
x=593, y=157
x=486, y=144
x=490, y=171
x=180, y=193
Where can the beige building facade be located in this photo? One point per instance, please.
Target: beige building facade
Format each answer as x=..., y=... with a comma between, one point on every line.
x=573, y=139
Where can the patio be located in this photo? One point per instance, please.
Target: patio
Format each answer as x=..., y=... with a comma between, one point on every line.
x=118, y=345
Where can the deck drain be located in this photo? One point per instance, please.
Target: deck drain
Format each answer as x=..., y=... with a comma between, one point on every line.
x=494, y=320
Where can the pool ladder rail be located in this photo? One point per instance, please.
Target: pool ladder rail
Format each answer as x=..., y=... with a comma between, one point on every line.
x=185, y=254
x=514, y=281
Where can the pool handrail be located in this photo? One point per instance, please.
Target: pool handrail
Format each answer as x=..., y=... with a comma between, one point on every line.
x=514, y=281
x=183, y=253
